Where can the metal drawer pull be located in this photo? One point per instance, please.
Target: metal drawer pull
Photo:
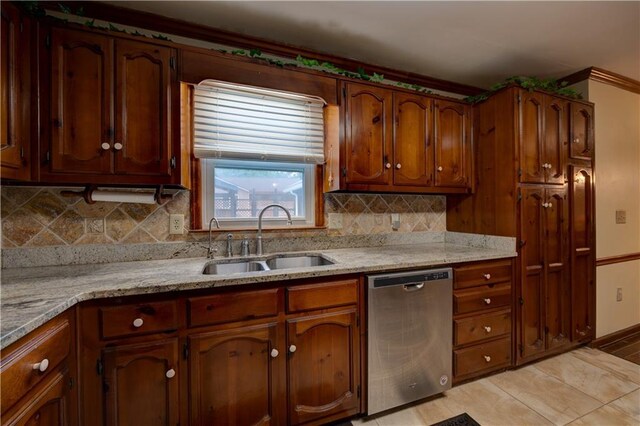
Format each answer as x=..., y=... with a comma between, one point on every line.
x=292, y=348
x=487, y=329
x=170, y=374
x=413, y=287
x=487, y=276
x=274, y=353
x=42, y=365
x=137, y=323
x=105, y=146
x=487, y=301
x=487, y=358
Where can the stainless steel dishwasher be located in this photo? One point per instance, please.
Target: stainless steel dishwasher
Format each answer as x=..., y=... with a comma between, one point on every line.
x=409, y=336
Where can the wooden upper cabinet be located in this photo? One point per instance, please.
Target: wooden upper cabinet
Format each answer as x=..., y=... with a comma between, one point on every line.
x=582, y=138
x=555, y=139
x=368, y=136
x=323, y=366
x=142, y=110
x=452, y=136
x=412, y=150
x=81, y=88
x=141, y=384
x=14, y=94
x=235, y=377
x=531, y=134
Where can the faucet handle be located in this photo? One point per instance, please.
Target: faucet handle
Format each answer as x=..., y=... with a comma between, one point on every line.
x=211, y=252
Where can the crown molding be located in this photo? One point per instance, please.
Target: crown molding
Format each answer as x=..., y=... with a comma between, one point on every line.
x=604, y=76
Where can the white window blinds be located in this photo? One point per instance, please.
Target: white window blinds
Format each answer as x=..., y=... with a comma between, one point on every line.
x=240, y=122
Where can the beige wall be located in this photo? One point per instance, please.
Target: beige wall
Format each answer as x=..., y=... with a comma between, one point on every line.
x=617, y=174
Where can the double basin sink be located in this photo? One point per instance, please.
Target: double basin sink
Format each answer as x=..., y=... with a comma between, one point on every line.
x=269, y=263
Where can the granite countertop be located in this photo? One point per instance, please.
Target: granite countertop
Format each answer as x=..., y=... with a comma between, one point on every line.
x=32, y=296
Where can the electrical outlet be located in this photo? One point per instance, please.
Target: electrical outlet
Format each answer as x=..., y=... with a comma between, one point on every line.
x=395, y=221
x=621, y=216
x=176, y=223
x=619, y=294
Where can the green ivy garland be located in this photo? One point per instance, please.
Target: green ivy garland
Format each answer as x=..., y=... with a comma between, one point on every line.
x=530, y=83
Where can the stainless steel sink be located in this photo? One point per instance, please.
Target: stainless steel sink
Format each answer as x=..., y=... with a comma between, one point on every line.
x=238, y=266
x=284, y=262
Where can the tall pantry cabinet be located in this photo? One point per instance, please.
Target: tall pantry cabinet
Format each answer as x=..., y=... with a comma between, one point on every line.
x=534, y=182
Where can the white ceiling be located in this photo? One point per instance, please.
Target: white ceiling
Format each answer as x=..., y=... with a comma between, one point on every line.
x=477, y=43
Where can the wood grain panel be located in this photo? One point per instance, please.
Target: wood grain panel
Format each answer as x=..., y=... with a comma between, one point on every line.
x=230, y=307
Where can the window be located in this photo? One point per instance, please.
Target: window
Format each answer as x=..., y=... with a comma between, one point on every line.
x=257, y=147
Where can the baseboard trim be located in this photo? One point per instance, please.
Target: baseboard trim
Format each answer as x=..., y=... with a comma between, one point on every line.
x=615, y=336
x=617, y=259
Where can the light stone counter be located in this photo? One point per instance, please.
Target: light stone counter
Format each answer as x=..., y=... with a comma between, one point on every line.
x=32, y=296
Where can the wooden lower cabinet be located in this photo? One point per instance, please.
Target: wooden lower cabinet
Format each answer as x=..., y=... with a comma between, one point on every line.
x=323, y=367
x=235, y=377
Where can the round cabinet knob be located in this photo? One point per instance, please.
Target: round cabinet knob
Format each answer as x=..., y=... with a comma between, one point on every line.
x=292, y=348
x=105, y=145
x=387, y=165
x=487, y=276
x=440, y=168
x=274, y=353
x=487, y=301
x=137, y=323
x=576, y=140
x=170, y=373
x=41, y=366
x=487, y=329
x=549, y=205
x=117, y=146
x=398, y=166
x=545, y=205
x=487, y=358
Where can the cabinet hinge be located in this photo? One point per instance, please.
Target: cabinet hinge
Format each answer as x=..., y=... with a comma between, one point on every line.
x=522, y=243
x=47, y=42
x=173, y=162
x=21, y=152
x=21, y=26
x=519, y=98
x=70, y=383
x=99, y=367
x=172, y=63
x=519, y=195
x=519, y=172
x=48, y=156
x=358, y=391
x=357, y=320
x=344, y=92
x=546, y=330
x=521, y=300
x=521, y=348
x=344, y=172
x=185, y=351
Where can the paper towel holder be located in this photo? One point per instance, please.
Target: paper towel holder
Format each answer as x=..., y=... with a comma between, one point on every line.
x=87, y=193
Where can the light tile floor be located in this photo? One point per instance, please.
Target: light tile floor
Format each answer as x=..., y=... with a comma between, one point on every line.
x=582, y=387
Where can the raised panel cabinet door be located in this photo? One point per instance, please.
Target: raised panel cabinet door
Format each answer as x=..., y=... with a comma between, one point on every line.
x=368, y=135
x=323, y=366
x=531, y=133
x=452, y=133
x=532, y=312
x=555, y=139
x=557, y=288
x=13, y=78
x=141, y=384
x=582, y=261
x=581, y=145
x=48, y=406
x=236, y=377
x=143, y=80
x=81, y=102
x=412, y=151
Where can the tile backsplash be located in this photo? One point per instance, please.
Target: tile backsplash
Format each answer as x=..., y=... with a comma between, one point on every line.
x=41, y=216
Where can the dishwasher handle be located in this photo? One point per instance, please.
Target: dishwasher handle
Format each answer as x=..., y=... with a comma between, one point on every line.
x=413, y=287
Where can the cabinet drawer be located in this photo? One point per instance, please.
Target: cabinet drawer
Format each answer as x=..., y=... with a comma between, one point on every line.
x=482, y=357
x=324, y=295
x=136, y=319
x=50, y=347
x=479, y=298
x=482, y=274
x=229, y=307
x=481, y=327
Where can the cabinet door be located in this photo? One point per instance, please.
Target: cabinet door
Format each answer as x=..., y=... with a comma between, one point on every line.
x=532, y=112
x=368, y=134
x=532, y=282
x=557, y=289
x=141, y=384
x=452, y=133
x=143, y=108
x=236, y=377
x=582, y=262
x=582, y=142
x=555, y=139
x=412, y=152
x=13, y=94
x=48, y=405
x=323, y=366
x=81, y=104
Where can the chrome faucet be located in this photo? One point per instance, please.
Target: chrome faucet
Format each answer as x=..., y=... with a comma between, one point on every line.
x=259, y=238
x=211, y=252
x=229, y=246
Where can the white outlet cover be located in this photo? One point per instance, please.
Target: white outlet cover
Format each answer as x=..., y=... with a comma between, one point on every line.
x=176, y=224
